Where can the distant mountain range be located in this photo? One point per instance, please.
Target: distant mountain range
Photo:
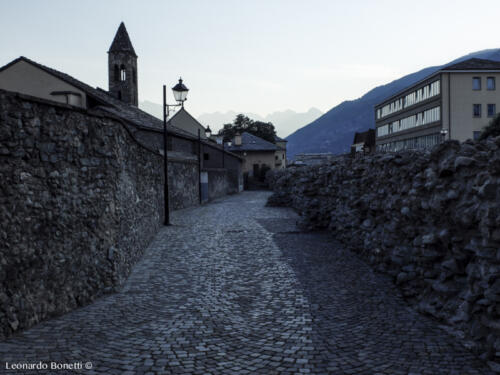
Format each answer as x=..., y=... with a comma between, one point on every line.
x=285, y=122
x=334, y=131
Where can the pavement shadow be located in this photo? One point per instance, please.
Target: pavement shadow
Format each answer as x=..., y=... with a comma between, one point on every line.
x=360, y=322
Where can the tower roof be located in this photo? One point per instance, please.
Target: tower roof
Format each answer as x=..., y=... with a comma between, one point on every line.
x=121, y=42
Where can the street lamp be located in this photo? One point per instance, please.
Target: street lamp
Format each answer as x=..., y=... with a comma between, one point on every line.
x=180, y=95
x=208, y=132
x=443, y=134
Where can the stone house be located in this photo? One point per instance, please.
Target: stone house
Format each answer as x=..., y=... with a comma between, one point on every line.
x=259, y=155
x=185, y=121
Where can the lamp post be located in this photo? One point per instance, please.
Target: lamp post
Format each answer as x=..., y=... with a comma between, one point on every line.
x=443, y=134
x=180, y=94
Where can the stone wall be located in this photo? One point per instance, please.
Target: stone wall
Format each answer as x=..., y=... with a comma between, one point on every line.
x=430, y=219
x=217, y=183
x=80, y=200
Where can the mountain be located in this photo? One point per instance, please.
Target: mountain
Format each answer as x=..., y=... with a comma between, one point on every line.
x=285, y=122
x=334, y=131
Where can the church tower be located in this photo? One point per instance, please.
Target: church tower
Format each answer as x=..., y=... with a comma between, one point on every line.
x=122, y=68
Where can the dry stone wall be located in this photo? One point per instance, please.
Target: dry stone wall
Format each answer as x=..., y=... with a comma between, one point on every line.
x=430, y=219
x=79, y=202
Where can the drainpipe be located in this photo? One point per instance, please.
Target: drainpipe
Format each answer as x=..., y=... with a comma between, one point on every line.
x=199, y=165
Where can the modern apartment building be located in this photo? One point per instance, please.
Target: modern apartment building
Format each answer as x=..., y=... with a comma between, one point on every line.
x=455, y=102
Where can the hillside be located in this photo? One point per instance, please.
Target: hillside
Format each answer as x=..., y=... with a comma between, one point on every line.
x=334, y=131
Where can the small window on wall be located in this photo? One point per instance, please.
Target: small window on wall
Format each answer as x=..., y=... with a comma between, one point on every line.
x=476, y=83
x=492, y=110
x=490, y=83
x=476, y=135
x=123, y=73
x=476, y=110
x=206, y=156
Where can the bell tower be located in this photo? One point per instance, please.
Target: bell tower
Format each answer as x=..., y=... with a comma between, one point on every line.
x=122, y=68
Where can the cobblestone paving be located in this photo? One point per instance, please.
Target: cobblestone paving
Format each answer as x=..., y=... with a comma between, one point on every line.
x=232, y=288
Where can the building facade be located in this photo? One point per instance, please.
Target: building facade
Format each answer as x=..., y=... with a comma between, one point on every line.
x=183, y=120
x=456, y=102
x=280, y=155
x=258, y=154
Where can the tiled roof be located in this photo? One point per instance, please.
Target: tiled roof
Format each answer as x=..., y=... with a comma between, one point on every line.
x=250, y=142
x=107, y=103
x=474, y=64
x=121, y=42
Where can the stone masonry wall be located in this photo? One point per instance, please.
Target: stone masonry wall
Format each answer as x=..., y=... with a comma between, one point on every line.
x=79, y=202
x=217, y=183
x=430, y=219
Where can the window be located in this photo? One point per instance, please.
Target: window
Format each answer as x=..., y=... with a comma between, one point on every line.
x=492, y=110
x=476, y=135
x=421, y=118
x=476, y=110
x=424, y=142
x=117, y=73
x=490, y=83
x=123, y=73
x=414, y=97
x=119, y=95
x=383, y=130
x=476, y=83
x=206, y=156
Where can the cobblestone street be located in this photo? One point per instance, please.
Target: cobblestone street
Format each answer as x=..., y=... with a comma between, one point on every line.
x=233, y=288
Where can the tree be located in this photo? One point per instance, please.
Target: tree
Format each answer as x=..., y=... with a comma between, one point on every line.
x=242, y=123
x=492, y=129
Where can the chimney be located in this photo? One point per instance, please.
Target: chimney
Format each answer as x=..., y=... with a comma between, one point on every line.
x=237, y=139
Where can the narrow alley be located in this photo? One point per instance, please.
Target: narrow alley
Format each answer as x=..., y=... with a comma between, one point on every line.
x=234, y=288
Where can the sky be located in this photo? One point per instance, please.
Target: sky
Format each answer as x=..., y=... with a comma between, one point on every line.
x=255, y=56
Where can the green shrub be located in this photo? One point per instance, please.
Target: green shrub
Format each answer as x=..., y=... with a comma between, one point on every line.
x=492, y=129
